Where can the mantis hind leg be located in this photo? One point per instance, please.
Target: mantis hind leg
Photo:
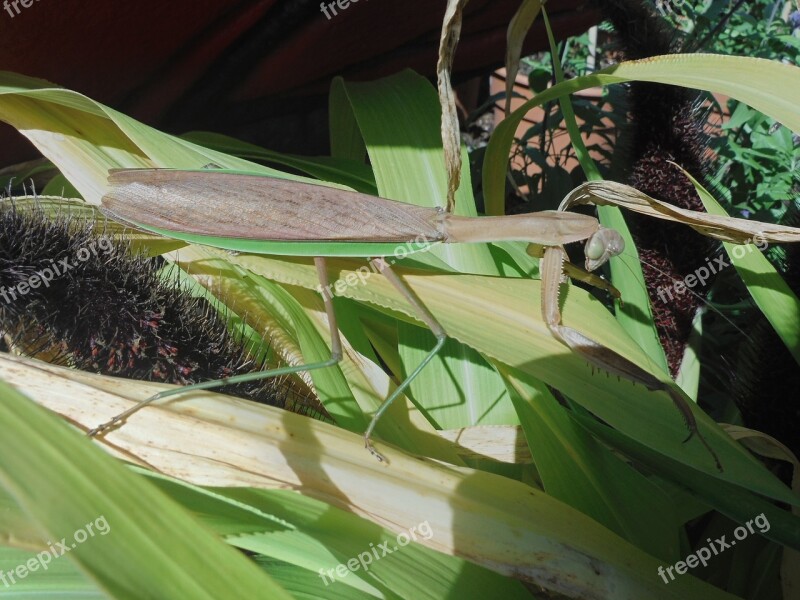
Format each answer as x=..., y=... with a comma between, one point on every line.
x=336, y=356
x=426, y=317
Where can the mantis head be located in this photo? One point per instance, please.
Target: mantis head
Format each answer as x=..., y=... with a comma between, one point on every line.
x=601, y=246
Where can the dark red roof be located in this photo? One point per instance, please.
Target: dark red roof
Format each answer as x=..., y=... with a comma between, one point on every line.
x=182, y=64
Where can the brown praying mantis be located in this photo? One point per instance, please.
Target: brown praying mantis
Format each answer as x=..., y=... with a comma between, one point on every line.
x=267, y=215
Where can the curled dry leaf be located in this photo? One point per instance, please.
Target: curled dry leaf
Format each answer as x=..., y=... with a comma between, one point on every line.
x=727, y=229
x=451, y=140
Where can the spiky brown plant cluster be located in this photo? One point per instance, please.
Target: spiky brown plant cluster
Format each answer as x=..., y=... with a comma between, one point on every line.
x=73, y=295
x=664, y=129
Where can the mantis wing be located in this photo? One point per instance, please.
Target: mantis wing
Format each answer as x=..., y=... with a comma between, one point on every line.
x=228, y=205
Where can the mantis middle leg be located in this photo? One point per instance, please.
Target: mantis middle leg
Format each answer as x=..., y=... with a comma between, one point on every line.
x=426, y=317
x=336, y=356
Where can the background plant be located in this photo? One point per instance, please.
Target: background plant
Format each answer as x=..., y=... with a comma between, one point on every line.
x=754, y=160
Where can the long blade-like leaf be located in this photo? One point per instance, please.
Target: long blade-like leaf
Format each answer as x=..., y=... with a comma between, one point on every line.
x=142, y=542
x=503, y=524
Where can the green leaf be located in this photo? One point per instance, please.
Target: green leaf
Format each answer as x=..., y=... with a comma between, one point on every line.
x=346, y=138
x=399, y=118
x=468, y=390
x=600, y=484
x=142, y=543
x=315, y=537
x=505, y=525
x=730, y=500
x=635, y=314
x=61, y=581
x=519, y=338
x=771, y=293
x=296, y=320
x=688, y=377
x=353, y=174
x=50, y=117
x=517, y=30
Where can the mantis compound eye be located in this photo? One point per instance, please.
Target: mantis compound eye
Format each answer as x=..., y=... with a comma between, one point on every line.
x=601, y=246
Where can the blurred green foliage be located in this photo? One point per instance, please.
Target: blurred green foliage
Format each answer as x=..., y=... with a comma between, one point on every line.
x=755, y=161
x=758, y=159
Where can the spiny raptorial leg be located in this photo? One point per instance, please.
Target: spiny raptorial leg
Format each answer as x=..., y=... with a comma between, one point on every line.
x=551, y=268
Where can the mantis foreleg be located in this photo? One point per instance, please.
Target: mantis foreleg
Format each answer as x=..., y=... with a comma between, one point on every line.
x=552, y=274
x=574, y=272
